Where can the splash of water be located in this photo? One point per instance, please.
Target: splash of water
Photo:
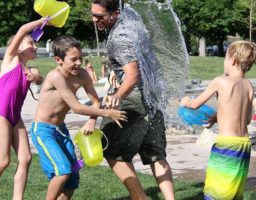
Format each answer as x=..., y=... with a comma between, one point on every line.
x=162, y=54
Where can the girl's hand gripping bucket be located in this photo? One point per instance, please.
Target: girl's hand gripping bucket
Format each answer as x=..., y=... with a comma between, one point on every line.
x=38, y=31
x=57, y=10
x=90, y=147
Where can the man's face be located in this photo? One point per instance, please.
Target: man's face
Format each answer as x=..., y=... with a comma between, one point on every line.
x=101, y=17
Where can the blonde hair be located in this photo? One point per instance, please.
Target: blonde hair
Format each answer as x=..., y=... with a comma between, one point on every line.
x=10, y=39
x=244, y=53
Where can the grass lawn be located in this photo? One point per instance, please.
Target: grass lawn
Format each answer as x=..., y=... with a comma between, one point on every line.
x=46, y=64
x=97, y=183
x=204, y=68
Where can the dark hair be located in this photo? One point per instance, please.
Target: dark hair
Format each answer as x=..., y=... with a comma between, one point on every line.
x=86, y=61
x=62, y=44
x=110, y=5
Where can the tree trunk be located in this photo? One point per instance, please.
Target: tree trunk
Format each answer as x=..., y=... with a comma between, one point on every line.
x=220, y=48
x=202, y=47
x=97, y=39
x=251, y=12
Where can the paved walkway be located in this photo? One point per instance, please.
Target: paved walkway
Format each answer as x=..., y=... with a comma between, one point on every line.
x=187, y=158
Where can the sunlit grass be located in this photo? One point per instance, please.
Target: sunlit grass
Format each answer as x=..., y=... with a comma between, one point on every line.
x=98, y=183
x=204, y=68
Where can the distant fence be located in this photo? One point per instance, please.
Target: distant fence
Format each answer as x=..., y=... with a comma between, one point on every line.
x=42, y=52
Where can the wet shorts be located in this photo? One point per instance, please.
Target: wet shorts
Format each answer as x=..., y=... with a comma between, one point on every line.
x=56, y=151
x=227, y=169
x=140, y=134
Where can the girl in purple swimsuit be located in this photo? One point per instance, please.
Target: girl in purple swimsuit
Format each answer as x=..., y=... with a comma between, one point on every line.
x=15, y=79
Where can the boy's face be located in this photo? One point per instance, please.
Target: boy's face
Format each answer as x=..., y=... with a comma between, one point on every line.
x=28, y=48
x=72, y=61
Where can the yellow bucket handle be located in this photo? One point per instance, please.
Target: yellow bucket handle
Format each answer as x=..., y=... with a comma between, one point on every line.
x=106, y=140
x=59, y=12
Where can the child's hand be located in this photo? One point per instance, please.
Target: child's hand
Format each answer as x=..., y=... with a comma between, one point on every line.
x=211, y=121
x=43, y=19
x=33, y=75
x=112, y=101
x=89, y=126
x=117, y=116
x=185, y=101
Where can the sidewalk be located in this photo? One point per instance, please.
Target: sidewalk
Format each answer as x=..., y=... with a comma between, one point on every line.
x=187, y=159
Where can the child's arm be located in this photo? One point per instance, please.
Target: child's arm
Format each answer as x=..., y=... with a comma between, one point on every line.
x=95, y=77
x=33, y=75
x=89, y=126
x=203, y=97
x=252, y=106
x=13, y=47
x=249, y=117
x=59, y=82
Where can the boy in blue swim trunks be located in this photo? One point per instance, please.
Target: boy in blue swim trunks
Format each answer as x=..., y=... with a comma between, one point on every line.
x=57, y=96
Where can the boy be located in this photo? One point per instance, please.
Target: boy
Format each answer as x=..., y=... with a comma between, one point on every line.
x=230, y=155
x=49, y=133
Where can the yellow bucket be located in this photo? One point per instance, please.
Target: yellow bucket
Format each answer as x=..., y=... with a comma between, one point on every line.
x=57, y=10
x=90, y=146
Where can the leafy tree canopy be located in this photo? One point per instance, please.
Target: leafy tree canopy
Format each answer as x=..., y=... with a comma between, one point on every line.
x=15, y=13
x=213, y=19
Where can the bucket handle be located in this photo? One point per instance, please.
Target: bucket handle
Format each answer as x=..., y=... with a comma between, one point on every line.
x=106, y=140
x=45, y=21
x=59, y=12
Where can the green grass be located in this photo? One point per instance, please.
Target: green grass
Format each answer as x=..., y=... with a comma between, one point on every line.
x=43, y=64
x=204, y=68
x=46, y=64
x=97, y=183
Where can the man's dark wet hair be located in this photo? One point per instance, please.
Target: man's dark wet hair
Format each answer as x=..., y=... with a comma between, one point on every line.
x=110, y=5
x=62, y=44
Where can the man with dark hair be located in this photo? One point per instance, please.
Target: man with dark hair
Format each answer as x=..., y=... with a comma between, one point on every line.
x=144, y=133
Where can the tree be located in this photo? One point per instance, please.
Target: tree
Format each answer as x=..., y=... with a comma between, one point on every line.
x=186, y=10
x=13, y=15
x=79, y=24
x=212, y=19
x=246, y=17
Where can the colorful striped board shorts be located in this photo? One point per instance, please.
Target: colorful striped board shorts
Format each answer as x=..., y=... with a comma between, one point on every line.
x=227, y=169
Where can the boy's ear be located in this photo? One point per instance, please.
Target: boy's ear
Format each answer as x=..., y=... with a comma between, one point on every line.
x=234, y=61
x=58, y=60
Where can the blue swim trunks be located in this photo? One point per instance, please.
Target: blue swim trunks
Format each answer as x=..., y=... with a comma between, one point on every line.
x=56, y=151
